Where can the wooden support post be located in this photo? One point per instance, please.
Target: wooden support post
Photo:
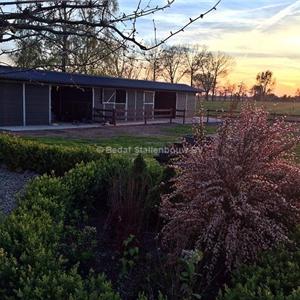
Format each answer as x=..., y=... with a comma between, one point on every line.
x=171, y=115
x=183, y=117
x=145, y=117
x=114, y=121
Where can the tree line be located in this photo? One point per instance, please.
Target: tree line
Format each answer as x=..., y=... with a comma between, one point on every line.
x=203, y=69
x=193, y=64
x=85, y=37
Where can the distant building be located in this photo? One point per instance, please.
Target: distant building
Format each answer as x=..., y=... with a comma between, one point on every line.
x=34, y=97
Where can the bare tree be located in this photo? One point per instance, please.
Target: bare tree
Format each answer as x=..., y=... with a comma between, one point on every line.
x=67, y=19
x=231, y=90
x=204, y=79
x=194, y=57
x=172, y=63
x=122, y=63
x=221, y=65
x=297, y=95
x=241, y=91
x=152, y=63
x=264, y=85
x=211, y=68
x=223, y=92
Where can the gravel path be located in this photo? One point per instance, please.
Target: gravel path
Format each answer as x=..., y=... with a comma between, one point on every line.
x=10, y=184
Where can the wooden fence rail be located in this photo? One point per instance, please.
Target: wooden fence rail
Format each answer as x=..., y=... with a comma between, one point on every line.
x=114, y=115
x=221, y=114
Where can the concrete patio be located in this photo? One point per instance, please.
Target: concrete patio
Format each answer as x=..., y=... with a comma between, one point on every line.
x=74, y=126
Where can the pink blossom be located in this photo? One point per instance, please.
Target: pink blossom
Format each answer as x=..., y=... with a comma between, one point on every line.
x=239, y=194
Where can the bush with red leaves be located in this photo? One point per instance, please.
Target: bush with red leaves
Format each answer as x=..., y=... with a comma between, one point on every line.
x=238, y=194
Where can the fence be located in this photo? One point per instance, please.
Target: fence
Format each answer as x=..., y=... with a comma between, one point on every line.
x=218, y=115
x=114, y=115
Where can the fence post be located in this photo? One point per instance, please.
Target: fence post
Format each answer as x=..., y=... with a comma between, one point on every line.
x=114, y=121
x=207, y=116
x=145, y=117
x=171, y=115
x=183, y=117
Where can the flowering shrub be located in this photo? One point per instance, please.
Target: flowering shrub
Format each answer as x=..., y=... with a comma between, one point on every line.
x=239, y=193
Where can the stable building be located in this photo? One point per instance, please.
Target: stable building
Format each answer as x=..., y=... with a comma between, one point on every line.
x=36, y=97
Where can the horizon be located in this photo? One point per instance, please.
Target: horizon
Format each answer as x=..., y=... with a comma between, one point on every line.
x=269, y=25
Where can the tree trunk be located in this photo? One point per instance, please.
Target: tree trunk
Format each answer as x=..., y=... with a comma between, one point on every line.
x=214, y=90
x=64, y=58
x=206, y=95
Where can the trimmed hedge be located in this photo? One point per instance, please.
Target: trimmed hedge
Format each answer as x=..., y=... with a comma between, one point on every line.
x=31, y=266
x=31, y=263
x=275, y=277
x=17, y=153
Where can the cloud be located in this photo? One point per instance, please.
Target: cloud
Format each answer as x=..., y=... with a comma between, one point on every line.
x=290, y=10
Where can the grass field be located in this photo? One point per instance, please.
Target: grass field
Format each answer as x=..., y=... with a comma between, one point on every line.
x=273, y=107
x=166, y=135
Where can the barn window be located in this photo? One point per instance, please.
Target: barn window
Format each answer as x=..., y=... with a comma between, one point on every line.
x=149, y=97
x=121, y=96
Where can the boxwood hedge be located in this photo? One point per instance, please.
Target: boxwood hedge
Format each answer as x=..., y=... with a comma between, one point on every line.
x=17, y=153
x=31, y=264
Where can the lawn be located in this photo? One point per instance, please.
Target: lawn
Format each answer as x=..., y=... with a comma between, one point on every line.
x=166, y=135
x=273, y=107
x=131, y=143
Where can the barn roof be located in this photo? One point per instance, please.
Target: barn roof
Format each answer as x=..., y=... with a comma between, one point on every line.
x=40, y=76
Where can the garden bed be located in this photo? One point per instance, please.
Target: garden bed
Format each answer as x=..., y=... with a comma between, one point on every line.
x=138, y=223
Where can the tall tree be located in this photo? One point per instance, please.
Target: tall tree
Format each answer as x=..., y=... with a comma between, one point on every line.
x=172, y=67
x=194, y=57
x=212, y=68
x=123, y=63
x=204, y=79
x=65, y=52
x=241, y=91
x=152, y=67
x=221, y=65
x=231, y=90
x=265, y=83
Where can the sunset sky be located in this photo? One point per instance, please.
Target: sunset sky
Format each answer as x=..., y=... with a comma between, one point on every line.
x=260, y=34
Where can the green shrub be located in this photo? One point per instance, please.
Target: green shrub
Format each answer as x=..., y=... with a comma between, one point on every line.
x=79, y=244
x=17, y=153
x=132, y=201
x=31, y=264
x=39, y=258
x=89, y=184
x=275, y=277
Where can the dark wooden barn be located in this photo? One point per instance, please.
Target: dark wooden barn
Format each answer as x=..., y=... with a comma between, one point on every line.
x=35, y=97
